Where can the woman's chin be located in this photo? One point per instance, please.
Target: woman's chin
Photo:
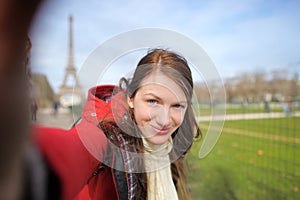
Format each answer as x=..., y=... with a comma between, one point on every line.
x=158, y=139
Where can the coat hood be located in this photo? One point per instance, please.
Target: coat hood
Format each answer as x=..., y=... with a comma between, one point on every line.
x=105, y=102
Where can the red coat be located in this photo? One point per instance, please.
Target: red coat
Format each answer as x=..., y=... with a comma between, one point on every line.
x=76, y=154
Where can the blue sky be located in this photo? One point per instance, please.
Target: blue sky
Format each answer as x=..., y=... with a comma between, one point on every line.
x=239, y=36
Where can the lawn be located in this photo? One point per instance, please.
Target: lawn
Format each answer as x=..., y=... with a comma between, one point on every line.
x=237, y=108
x=248, y=167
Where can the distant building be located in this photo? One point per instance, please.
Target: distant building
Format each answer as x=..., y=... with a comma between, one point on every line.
x=42, y=91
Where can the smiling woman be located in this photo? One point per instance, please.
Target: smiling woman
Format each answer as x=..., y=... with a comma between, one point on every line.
x=136, y=134
x=161, y=100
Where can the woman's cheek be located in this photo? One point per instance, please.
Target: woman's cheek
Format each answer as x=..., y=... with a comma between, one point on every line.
x=142, y=115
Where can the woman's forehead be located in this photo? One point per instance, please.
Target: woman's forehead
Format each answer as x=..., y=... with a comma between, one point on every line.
x=158, y=82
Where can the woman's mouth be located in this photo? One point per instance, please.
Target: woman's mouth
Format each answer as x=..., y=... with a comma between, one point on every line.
x=161, y=130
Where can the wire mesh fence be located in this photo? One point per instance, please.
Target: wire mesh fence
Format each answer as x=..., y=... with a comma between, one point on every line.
x=256, y=157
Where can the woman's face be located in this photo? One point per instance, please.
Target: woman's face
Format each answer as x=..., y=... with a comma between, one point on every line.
x=159, y=107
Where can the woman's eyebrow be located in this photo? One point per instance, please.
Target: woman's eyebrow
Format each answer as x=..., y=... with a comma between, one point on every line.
x=152, y=94
x=155, y=96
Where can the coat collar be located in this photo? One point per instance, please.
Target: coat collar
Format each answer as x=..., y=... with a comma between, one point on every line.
x=105, y=102
x=108, y=102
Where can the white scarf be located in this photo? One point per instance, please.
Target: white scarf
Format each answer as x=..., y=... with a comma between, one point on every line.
x=158, y=168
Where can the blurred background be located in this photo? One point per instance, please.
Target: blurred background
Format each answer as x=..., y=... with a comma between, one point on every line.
x=254, y=45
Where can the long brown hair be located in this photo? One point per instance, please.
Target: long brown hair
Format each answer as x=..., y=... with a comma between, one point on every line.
x=175, y=67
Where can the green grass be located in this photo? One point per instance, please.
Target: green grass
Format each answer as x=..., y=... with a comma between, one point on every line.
x=288, y=126
x=237, y=109
x=246, y=167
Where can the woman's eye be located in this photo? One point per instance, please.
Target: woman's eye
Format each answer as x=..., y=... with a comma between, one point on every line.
x=152, y=101
x=179, y=106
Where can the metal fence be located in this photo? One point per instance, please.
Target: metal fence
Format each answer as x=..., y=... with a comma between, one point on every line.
x=256, y=157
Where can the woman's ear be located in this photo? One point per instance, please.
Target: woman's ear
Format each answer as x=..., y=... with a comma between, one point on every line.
x=130, y=102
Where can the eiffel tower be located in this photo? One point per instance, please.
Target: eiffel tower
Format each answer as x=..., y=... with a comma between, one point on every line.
x=70, y=94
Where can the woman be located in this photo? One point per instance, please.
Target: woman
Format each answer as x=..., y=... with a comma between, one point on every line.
x=132, y=139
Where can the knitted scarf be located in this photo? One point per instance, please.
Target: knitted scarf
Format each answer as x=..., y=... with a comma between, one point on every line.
x=158, y=168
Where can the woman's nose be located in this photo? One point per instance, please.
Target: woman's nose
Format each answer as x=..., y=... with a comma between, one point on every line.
x=163, y=117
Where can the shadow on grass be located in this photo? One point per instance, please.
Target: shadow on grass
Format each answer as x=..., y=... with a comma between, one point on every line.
x=217, y=184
